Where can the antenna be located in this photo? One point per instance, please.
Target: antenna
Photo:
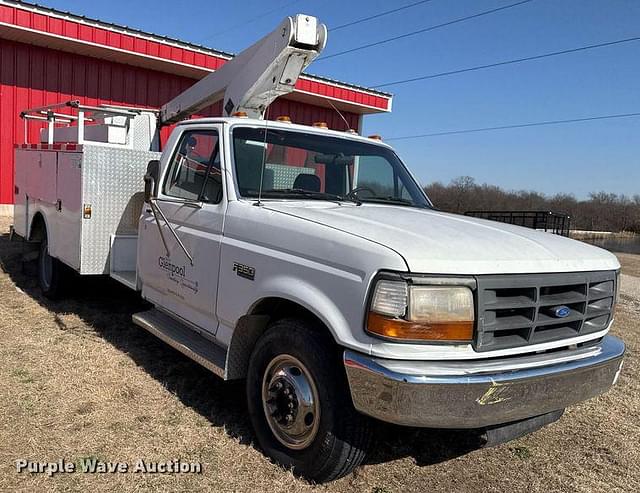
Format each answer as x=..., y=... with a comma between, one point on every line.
x=338, y=111
x=264, y=142
x=264, y=156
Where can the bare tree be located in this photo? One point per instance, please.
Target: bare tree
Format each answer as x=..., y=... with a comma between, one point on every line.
x=602, y=211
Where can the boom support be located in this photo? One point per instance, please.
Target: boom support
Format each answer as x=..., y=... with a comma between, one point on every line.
x=254, y=78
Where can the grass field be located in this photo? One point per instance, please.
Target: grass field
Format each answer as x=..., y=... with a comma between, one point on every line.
x=78, y=380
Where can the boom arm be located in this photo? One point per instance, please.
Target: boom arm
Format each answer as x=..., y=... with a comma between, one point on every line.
x=253, y=79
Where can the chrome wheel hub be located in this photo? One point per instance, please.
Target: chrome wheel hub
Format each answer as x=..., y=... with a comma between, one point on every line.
x=290, y=402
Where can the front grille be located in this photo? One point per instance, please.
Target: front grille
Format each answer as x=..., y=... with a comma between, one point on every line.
x=518, y=310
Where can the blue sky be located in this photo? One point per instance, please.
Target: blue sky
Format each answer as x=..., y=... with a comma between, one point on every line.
x=577, y=158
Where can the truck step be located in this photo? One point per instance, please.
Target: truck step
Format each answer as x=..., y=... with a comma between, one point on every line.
x=183, y=338
x=128, y=278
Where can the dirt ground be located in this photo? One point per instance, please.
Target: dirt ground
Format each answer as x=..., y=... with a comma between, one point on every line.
x=630, y=263
x=78, y=380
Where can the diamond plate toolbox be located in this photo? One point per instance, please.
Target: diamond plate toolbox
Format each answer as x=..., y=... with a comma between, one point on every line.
x=113, y=186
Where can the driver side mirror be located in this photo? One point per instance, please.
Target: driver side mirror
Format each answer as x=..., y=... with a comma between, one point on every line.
x=151, y=179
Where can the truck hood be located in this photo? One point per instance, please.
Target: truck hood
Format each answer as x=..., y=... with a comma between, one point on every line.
x=434, y=242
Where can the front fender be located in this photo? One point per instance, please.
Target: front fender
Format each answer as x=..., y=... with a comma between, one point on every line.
x=313, y=299
x=250, y=327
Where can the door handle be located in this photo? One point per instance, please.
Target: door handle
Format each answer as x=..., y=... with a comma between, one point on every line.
x=193, y=205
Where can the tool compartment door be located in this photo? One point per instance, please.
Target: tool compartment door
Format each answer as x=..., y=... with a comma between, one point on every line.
x=20, y=213
x=69, y=216
x=41, y=178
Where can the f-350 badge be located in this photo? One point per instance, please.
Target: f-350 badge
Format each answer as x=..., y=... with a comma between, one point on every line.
x=244, y=271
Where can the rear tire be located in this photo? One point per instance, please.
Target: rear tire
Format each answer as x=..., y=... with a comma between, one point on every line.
x=317, y=433
x=51, y=273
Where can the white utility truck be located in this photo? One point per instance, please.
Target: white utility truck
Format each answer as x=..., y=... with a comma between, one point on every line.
x=310, y=263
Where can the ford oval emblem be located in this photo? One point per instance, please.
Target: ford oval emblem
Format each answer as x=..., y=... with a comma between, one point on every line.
x=561, y=311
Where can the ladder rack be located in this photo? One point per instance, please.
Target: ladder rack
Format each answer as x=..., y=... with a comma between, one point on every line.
x=101, y=124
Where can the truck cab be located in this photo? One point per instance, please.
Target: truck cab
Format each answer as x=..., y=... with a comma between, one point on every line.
x=227, y=185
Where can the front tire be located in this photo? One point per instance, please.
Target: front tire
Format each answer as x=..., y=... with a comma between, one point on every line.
x=51, y=273
x=299, y=403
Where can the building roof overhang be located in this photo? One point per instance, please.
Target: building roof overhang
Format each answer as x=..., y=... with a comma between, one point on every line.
x=42, y=26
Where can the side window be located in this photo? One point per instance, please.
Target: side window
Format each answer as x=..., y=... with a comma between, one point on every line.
x=404, y=193
x=194, y=170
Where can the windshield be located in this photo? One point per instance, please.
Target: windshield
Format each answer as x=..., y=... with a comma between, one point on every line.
x=310, y=166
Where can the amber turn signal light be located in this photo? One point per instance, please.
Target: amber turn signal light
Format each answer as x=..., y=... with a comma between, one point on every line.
x=395, y=328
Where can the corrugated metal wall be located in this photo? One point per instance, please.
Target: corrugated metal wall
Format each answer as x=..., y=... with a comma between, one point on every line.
x=32, y=76
x=87, y=31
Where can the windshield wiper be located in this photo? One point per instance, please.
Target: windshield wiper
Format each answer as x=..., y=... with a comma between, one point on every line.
x=310, y=194
x=303, y=192
x=390, y=200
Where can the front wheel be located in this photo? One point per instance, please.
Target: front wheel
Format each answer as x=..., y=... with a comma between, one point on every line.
x=299, y=403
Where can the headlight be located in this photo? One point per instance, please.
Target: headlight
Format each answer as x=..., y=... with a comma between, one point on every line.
x=421, y=312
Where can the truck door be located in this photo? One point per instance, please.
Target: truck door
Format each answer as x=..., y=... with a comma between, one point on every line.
x=190, y=194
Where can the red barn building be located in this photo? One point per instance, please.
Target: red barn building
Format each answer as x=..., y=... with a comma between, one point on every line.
x=48, y=56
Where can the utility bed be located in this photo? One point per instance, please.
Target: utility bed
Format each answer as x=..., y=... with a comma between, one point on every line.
x=88, y=193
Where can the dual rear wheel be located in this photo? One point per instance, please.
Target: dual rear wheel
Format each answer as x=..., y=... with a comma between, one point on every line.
x=52, y=273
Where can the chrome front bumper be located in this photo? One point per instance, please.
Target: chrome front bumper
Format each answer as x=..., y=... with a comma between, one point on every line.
x=479, y=393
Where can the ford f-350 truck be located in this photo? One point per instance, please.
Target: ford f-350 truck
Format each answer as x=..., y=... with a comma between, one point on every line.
x=310, y=263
